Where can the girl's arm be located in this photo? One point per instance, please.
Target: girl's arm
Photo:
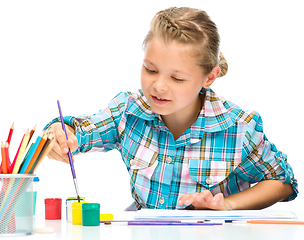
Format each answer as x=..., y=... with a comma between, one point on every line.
x=261, y=195
x=98, y=132
x=261, y=163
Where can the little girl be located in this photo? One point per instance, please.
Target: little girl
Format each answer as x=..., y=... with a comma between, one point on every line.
x=182, y=144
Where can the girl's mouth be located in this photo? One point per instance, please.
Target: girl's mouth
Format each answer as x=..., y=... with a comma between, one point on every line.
x=159, y=101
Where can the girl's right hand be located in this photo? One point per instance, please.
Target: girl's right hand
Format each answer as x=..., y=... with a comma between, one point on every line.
x=60, y=149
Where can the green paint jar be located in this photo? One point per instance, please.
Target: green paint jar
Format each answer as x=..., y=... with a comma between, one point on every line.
x=90, y=214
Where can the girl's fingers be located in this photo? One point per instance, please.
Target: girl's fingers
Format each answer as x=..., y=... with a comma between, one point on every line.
x=204, y=196
x=72, y=143
x=181, y=201
x=61, y=140
x=218, y=202
x=61, y=146
x=204, y=200
x=187, y=199
x=53, y=155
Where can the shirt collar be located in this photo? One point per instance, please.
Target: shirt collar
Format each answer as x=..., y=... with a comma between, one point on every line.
x=216, y=116
x=139, y=106
x=213, y=117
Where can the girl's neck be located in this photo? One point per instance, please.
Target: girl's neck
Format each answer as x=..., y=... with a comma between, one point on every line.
x=180, y=121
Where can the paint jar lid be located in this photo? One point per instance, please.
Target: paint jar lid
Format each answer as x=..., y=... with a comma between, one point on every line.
x=52, y=201
x=36, y=179
x=75, y=198
x=91, y=206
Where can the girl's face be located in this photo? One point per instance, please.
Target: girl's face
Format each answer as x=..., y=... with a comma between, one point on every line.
x=171, y=80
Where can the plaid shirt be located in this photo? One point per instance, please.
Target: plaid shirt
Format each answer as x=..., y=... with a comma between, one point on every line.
x=225, y=150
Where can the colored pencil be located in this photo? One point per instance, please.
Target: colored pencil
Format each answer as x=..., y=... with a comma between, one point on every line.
x=15, y=158
x=10, y=134
x=4, y=167
x=36, y=154
x=275, y=222
x=8, y=162
x=32, y=133
x=45, y=151
x=31, y=154
x=28, y=149
x=69, y=153
x=41, y=154
x=161, y=223
x=21, y=151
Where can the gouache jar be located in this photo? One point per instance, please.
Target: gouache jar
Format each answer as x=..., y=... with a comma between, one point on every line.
x=91, y=214
x=77, y=213
x=68, y=203
x=52, y=208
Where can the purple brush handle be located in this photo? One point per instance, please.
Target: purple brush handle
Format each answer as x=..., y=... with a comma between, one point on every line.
x=69, y=153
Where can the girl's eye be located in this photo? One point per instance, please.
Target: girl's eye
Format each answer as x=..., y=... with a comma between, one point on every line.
x=150, y=71
x=178, y=79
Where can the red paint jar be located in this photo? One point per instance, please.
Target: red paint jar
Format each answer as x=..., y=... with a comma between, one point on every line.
x=52, y=208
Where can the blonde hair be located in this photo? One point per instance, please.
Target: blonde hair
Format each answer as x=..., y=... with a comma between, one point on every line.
x=192, y=27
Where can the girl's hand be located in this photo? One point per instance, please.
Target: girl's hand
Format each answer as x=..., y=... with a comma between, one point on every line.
x=205, y=200
x=61, y=145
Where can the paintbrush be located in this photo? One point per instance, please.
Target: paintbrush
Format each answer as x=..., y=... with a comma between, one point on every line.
x=69, y=153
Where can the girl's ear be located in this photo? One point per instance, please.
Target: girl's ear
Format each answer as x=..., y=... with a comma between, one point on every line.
x=212, y=76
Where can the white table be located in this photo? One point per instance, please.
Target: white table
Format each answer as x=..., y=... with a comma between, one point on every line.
x=64, y=230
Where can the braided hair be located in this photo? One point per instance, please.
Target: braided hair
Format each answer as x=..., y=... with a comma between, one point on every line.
x=191, y=27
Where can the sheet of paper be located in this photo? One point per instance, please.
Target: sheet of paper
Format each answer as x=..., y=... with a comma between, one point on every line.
x=209, y=214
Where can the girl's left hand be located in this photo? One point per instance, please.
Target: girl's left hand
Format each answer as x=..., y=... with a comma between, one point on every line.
x=205, y=200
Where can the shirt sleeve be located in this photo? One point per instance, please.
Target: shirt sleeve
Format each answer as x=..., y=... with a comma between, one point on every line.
x=100, y=131
x=261, y=160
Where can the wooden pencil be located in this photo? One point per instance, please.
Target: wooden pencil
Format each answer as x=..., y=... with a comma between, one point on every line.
x=15, y=158
x=36, y=154
x=32, y=133
x=28, y=149
x=4, y=168
x=31, y=154
x=8, y=162
x=45, y=151
x=10, y=134
x=21, y=151
x=48, y=141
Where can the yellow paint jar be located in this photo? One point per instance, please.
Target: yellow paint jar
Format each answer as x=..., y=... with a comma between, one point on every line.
x=77, y=213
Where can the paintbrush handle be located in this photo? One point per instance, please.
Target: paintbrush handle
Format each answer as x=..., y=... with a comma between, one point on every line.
x=69, y=153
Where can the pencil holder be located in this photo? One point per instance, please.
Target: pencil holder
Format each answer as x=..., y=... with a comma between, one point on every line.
x=16, y=200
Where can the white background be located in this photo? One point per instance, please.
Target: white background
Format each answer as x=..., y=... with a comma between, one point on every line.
x=85, y=52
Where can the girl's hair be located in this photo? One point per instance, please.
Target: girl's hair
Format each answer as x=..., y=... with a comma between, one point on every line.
x=191, y=27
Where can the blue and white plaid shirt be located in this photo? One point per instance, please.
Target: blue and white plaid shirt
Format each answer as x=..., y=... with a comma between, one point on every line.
x=225, y=150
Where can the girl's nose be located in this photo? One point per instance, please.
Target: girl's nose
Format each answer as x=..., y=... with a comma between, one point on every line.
x=160, y=84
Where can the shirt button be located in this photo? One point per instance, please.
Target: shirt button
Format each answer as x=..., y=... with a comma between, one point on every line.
x=161, y=201
x=132, y=162
x=208, y=180
x=169, y=160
